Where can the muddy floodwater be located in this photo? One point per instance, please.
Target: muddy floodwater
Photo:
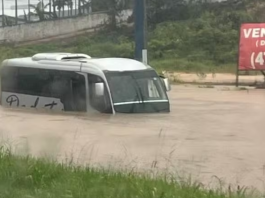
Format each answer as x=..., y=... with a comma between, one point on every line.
x=209, y=132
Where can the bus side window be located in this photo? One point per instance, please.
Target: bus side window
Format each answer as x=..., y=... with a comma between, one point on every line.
x=31, y=81
x=100, y=103
x=9, y=79
x=78, y=90
x=70, y=87
x=67, y=86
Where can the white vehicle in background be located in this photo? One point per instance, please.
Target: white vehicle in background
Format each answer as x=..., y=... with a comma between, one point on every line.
x=77, y=82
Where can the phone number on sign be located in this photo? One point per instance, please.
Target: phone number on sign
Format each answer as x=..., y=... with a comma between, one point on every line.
x=257, y=58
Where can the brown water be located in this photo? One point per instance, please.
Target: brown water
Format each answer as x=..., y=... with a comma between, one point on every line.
x=209, y=132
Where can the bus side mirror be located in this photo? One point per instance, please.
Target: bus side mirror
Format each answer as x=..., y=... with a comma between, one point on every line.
x=99, y=89
x=166, y=82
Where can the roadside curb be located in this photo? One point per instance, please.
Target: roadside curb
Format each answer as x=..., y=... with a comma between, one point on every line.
x=216, y=79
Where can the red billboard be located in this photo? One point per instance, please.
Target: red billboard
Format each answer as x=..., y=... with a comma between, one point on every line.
x=252, y=47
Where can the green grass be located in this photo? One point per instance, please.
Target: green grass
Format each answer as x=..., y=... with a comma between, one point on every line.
x=115, y=45
x=109, y=49
x=183, y=65
x=26, y=177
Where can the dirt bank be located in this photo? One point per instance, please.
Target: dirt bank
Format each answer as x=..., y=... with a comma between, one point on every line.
x=218, y=78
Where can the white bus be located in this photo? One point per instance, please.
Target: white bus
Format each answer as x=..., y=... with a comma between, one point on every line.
x=77, y=82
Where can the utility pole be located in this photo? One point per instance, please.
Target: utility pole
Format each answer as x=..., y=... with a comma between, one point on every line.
x=16, y=12
x=3, y=13
x=140, y=22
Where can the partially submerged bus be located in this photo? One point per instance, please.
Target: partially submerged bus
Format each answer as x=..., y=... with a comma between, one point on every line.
x=77, y=82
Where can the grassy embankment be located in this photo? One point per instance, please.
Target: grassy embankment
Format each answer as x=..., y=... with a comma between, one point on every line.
x=27, y=177
x=170, y=49
x=194, y=38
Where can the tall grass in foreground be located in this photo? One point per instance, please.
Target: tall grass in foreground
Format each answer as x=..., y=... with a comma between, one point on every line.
x=27, y=177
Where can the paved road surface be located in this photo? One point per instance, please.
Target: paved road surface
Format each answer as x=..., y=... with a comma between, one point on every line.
x=209, y=132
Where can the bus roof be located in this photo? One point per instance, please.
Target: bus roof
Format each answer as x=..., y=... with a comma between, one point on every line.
x=74, y=62
x=116, y=64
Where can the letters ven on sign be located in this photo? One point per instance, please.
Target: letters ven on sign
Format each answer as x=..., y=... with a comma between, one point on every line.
x=252, y=47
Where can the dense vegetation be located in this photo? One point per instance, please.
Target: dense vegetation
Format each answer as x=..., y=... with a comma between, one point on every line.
x=182, y=35
x=27, y=177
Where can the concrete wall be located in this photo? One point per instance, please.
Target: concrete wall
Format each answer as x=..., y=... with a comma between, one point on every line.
x=42, y=30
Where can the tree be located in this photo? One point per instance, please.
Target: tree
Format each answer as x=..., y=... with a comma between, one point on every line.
x=113, y=7
x=40, y=11
x=86, y=5
x=60, y=5
x=167, y=10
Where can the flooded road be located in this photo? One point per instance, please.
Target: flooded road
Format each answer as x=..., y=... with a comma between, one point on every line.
x=210, y=132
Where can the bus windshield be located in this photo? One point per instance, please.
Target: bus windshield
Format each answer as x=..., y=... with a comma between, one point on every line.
x=136, y=88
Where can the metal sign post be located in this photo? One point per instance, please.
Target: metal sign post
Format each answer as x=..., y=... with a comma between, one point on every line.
x=140, y=30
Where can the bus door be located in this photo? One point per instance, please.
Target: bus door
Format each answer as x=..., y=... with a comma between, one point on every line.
x=78, y=93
